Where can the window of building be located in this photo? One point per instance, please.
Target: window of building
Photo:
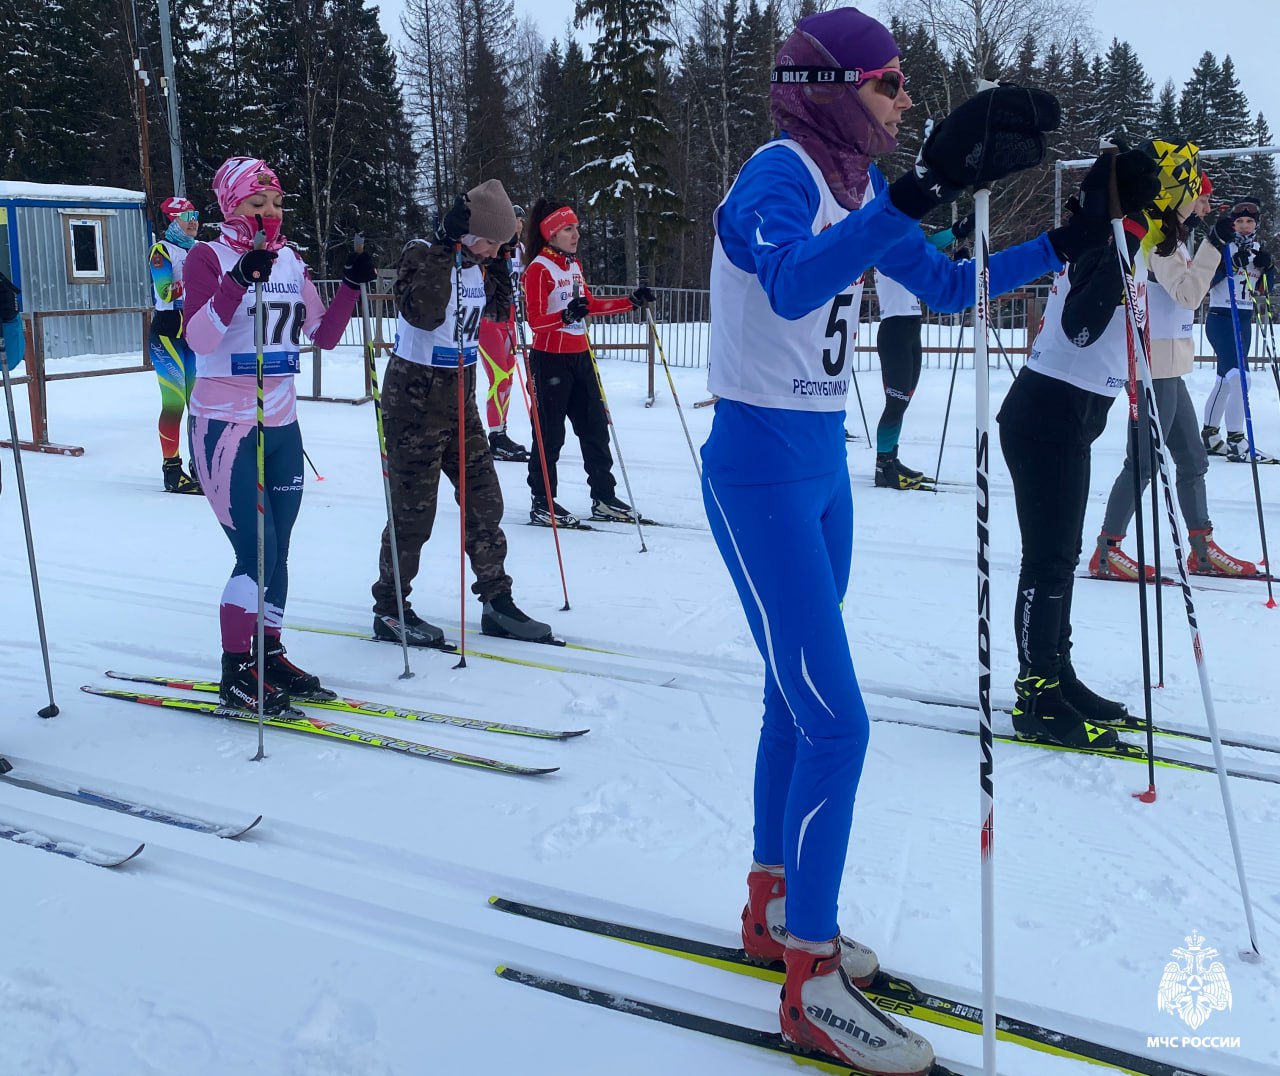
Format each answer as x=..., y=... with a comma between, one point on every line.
x=88, y=259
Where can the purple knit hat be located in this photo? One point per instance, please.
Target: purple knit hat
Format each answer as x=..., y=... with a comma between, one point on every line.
x=831, y=121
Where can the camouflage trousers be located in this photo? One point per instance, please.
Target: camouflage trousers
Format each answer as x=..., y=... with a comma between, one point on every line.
x=420, y=420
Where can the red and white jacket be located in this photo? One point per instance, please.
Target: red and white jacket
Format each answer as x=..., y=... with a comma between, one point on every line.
x=549, y=284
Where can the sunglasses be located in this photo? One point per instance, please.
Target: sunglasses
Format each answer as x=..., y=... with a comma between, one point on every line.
x=189, y=214
x=891, y=80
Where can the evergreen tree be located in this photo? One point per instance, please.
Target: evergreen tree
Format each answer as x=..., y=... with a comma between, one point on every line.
x=1167, y=125
x=1124, y=102
x=1195, y=106
x=622, y=135
x=564, y=89
x=1258, y=181
x=758, y=45
x=487, y=147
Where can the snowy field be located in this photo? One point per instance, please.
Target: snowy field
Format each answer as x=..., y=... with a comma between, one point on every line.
x=349, y=934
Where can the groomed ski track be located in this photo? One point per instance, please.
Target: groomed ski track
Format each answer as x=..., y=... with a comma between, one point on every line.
x=348, y=934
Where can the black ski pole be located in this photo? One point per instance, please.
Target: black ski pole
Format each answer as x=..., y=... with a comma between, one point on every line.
x=52, y=709
x=1261, y=306
x=371, y=361
x=1138, y=415
x=1243, y=367
x=319, y=476
x=946, y=417
x=853, y=375
x=1004, y=354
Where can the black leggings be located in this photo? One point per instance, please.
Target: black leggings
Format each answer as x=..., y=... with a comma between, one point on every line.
x=1046, y=429
x=565, y=387
x=898, y=341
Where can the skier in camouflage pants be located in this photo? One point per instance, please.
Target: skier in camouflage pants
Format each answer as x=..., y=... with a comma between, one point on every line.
x=420, y=413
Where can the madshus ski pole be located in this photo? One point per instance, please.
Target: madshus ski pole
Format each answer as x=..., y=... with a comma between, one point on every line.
x=986, y=763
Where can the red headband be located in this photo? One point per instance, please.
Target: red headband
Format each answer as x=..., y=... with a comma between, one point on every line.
x=553, y=222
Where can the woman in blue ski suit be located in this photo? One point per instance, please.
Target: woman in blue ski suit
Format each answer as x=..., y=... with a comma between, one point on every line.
x=807, y=216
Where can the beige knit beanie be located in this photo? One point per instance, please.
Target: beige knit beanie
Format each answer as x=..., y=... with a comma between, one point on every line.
x=491, y=214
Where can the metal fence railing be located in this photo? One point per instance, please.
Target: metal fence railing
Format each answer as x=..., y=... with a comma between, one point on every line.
x=682, y=317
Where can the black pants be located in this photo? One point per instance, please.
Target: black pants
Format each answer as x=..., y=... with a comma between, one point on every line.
x=1046, y=429
x=564, y=386
x=898, y=342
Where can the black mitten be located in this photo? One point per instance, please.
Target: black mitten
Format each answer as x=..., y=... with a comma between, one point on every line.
x=994, y=134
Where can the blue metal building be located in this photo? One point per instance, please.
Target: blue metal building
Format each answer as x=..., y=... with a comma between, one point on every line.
x=72, y=247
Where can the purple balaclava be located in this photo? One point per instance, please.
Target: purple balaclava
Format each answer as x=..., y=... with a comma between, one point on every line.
x=830, y=121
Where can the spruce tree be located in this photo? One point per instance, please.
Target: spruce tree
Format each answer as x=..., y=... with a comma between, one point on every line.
x=1167, y=124
x=1259, y=182
x=1124, y=103
x=622, y=135
x=1195, y=106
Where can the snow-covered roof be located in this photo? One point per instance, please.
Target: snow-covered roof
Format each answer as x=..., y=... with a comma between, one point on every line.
x=67, y=192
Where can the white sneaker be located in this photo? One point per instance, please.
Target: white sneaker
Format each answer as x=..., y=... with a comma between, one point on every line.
x=822, y=1010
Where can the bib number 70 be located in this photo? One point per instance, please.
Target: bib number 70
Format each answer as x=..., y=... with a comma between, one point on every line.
x=838, y=326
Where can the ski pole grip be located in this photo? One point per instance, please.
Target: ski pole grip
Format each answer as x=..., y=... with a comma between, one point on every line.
x=357, y=243
x=260, y=236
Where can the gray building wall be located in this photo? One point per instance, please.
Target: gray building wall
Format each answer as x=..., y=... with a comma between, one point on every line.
x=40, y=266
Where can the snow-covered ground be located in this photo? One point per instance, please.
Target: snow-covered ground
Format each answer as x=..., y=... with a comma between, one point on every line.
x=349, y=934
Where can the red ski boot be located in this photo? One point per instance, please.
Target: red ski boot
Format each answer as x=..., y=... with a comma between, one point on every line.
x=1209, y=558
x=764, y=931
x=1109, y=561
x=823, y=1010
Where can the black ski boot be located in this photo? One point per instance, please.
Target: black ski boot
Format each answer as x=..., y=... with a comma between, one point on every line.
x=1238, y=450
x=239, y=686
x=1041, y=714
x=891, y=474
x=611, y=508
x=501, y=447
x=285, y=675
x=418, y=632
x=1090, y=705
x=1214, y=445
x=540, y=515
x=504, y=619
x=176, y=480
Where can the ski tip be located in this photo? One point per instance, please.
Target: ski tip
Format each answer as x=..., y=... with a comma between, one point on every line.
x=232, y=833
x=494, y=900
x=573, y=734
x=501, y=969
x=119, y=862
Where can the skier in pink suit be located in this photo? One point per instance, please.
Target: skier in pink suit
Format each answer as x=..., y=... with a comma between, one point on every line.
x=218, y=279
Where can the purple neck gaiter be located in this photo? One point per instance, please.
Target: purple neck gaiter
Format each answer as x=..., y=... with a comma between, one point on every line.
x=831, y=122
